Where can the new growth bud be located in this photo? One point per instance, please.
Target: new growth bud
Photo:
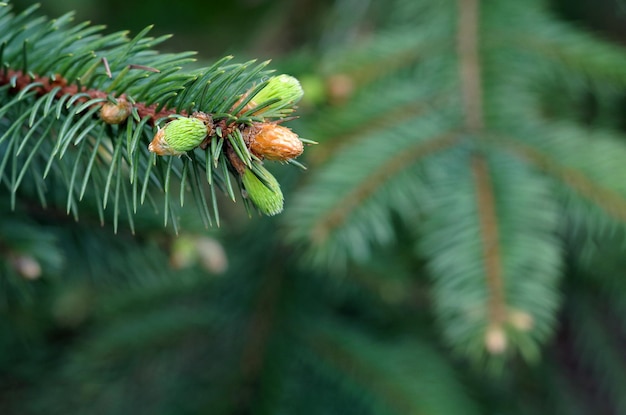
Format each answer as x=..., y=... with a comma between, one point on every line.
x=285, y=88
x=274, y=142
x=496, y=340
x=265, y=194
x=178, y=136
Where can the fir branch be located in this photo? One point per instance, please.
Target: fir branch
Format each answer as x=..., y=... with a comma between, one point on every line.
x=469, y=69
x=397, y=49
x=376, y=179
x=392, y=179
x=610, y=200
x=489, y=231
x=565, y=45
x=516, y=288
x=98, y=99
x=58, y=87
x=404, y=101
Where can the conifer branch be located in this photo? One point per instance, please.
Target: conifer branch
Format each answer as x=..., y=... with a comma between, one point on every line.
x=482, y=213
x=43, y=85
x=610, y=201
x=469, y=61
x=344, y=206
x=379, y=122
x=78, y=101
x=492, y=256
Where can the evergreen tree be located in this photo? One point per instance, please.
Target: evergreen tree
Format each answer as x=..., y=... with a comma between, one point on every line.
x=454, y=247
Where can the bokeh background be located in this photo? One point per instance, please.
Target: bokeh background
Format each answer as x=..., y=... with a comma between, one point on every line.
x=246, y=318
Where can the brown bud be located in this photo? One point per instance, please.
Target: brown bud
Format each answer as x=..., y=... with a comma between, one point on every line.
x=495, y=340
x=27, y=266
x=112, y=113
x=275, y=142
x=340, y=88
x=521, y=320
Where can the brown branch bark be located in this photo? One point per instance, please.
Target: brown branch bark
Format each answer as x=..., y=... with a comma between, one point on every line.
x=489, y=231
x=470, y=74
x=22, y=80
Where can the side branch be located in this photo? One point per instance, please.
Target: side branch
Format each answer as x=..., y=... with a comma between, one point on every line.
x=488, y=222
x=347, y=204
x=613, y=203
x=20, y=81
x=469, y=65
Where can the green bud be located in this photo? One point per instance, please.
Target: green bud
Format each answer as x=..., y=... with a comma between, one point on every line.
x=283, y=87
x=265, y=194
x=178, y=136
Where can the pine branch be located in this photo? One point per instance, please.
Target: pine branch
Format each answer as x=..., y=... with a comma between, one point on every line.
x=345, y=225
x=481, y=205
x=489, y=231
x=566, y=45
x=349, y=202
x=508, y=292
x=469, y=66
x=587, y=164
x=75, y=101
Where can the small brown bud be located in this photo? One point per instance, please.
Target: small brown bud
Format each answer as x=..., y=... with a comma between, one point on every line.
x=211, y=255
x=112, y=113
x=27, y=266
x=275, y=142
x=340, y=88
x=495, y=340
x=521, y=320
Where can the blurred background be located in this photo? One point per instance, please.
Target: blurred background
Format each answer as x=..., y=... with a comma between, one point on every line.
x=337, y=306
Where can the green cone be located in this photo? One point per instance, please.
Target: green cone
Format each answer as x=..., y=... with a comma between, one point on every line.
x=265, y=194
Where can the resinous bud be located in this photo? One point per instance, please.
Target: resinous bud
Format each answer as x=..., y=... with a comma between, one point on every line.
x=112, y=113
x=275, y=142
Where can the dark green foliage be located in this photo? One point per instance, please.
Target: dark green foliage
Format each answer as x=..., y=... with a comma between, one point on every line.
x=473, y=156
x=435, y=258
x=56, y=77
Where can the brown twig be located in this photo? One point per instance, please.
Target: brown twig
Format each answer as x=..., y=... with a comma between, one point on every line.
x=21, y=80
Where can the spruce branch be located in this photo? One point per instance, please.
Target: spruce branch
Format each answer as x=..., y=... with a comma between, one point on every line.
x=469, y=64
x=76, y=101
x=495, y=339
x=608, y=199
x=392, y=178
x=566, y=45
x=347, y=203
x=517, y=172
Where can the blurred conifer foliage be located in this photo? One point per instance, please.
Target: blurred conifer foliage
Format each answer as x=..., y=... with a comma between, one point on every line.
x=456, y=245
